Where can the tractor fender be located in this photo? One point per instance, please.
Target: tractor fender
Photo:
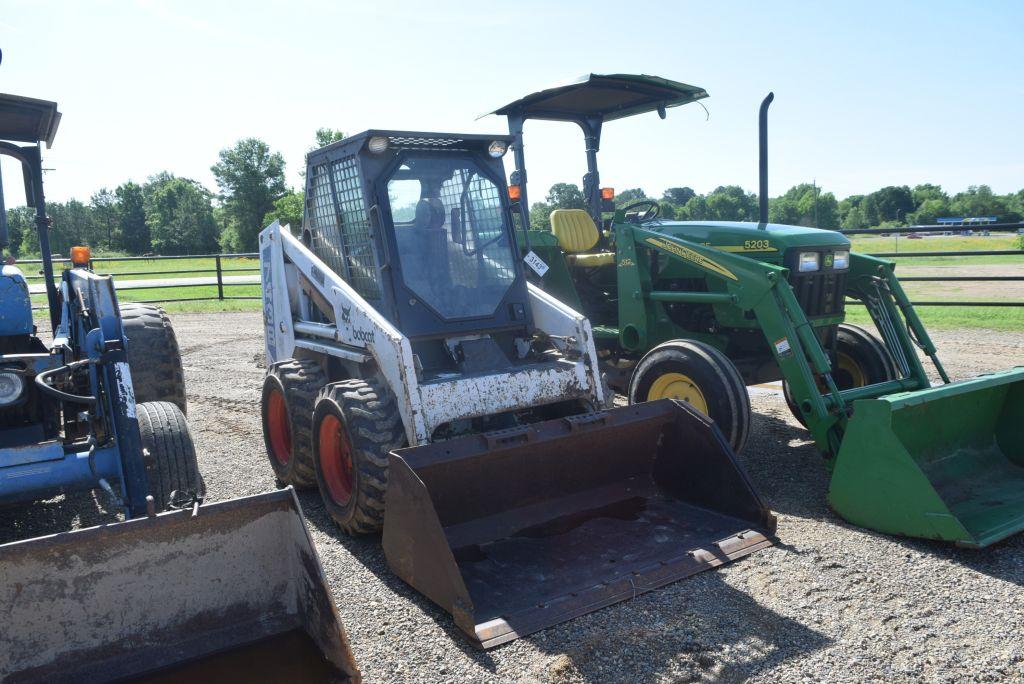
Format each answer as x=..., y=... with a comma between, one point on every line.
x=15, y=304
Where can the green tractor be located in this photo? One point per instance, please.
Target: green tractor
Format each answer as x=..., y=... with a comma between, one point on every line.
x=699, y=310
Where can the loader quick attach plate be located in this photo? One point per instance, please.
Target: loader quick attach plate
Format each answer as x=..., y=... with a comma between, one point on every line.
x=517, y=530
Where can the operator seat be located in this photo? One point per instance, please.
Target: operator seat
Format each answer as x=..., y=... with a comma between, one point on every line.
x=577, y=233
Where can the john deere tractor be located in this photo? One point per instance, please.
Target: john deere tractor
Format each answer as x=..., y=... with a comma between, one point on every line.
x=698, y=310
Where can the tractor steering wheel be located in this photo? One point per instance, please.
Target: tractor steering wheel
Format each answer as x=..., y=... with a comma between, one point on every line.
x=651, y=213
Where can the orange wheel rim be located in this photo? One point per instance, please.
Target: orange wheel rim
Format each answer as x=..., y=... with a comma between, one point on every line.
x=336, y=459
x=280, y=430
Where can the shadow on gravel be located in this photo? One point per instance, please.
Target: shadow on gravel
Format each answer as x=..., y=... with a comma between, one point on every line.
x=60, y=514
x=1001, y=561
x=698, y=629
x=368, y=551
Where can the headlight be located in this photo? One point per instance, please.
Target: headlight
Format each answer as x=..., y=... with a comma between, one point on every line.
x=497, y=148
x=11, y=385
x=809, y=261
x=841, y=259
x=377, y=144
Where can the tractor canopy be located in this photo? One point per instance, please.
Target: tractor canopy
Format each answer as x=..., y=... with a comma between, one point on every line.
x=26, y=119
x=607, y=96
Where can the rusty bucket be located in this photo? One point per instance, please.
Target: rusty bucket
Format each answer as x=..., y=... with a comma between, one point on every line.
x=517, y=530
x=173, y=597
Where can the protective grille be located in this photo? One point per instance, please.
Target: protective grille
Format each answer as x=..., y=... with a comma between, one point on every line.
x=342, y=230
x=819, y=294
x=427, y=143
x=484, y=214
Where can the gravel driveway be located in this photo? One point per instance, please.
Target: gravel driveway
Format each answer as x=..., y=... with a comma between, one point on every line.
x=833, y=603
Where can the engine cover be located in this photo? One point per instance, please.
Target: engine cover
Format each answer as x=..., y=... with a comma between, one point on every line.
x=15, y=304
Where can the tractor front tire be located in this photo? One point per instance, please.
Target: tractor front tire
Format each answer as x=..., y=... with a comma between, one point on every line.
x=355, y=425
x=153, y=355
x=289, y=393
x=861, y=359
x=703, y=377
x=168, y=453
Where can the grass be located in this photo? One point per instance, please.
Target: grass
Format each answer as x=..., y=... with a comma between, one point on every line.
x=952, y=317
x=874, y=245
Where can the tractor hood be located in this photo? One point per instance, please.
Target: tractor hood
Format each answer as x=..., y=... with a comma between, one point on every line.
x=15, y=304
x=737, y=236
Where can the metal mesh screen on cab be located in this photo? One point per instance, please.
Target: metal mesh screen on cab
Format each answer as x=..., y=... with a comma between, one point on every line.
x=341, y=235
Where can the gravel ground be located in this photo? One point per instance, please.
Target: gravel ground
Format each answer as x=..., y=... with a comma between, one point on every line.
x=832, y=603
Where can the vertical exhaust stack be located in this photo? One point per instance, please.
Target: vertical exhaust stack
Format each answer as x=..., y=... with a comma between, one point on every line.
x=762, y=135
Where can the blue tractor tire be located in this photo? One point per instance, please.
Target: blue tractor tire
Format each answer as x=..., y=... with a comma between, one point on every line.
x=172, y=470
x=153, y=355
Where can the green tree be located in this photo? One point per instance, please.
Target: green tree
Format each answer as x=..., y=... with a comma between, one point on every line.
x=132, y=219
x=927, y=191
x=566, y=196
x=731, y=203
x=805, y=205
x=288, y=210
x=891, y=203
x=326, y=136
x=629, y=196
x=695, y=210
x=21, y=227
x=106, y=218
x=929, y=211
x=978, y=200
x=179, y=213
x=678, y=196
x=251, y=179
x=540, y=216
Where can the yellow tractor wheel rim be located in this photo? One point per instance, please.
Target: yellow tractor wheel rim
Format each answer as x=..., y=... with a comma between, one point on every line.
x=678, y=386
x=847, y=363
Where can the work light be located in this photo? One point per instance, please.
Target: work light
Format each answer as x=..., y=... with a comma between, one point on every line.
x=497, y=148
x=809, y=261
x=10, y=387
x=841, y=259
x=377, y=144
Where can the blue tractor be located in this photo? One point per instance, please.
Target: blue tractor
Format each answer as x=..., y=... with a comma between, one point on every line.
x=102, y=406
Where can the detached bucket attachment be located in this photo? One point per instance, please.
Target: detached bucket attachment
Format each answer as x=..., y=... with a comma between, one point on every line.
x=235, y=593
x=520, y=529
x=943, y=463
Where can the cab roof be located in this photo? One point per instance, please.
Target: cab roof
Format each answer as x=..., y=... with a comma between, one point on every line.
x=609, y=96
x=26, y=119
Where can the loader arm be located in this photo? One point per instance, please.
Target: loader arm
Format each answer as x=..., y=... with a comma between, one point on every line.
x=751, y=286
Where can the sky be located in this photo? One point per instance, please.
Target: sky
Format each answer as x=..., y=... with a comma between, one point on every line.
x=867, y=94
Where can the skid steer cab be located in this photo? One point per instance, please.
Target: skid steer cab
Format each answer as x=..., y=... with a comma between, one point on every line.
x=430, y=391
x=101, y=407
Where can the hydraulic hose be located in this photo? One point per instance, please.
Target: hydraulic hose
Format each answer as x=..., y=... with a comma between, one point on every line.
x=42, y=378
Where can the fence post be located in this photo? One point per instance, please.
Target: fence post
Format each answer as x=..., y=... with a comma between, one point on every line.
x=220, y=280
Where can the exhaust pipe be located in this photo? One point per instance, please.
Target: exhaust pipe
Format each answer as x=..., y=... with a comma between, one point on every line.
x=762, y=133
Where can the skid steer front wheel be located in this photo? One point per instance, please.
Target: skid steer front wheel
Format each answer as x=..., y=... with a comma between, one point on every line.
x=861, y=359
x=701, y=376
x=168, y=453
x=289, y=393
x=355, y=425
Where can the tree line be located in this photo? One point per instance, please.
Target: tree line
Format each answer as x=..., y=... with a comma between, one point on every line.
x=806, y=205
x=169, y=214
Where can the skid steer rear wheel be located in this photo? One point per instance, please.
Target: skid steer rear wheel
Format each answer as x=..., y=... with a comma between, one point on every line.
x=861, y=359
x=355, y=425
x=289, y=393
x=168, y=453
x=153, y=355
x=700, y=375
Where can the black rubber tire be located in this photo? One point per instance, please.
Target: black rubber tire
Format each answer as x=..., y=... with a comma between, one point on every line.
x=168, y=452
x=372, y=425
x=153, y=355
x=721, y=385
x=299, y=382
x=853, y=344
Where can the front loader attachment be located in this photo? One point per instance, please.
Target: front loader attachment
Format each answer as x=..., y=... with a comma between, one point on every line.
x=517, y=530
x=232, y=593
x=942, y=463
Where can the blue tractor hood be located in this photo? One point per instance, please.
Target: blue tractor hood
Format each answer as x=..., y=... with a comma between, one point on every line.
x=15, y=303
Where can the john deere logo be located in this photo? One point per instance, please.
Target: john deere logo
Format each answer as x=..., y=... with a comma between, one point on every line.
x=691, y=255
x=828, y=260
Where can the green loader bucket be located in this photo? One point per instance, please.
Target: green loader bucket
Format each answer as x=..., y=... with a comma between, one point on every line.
x=232, y=593
x=517, y=530
x=942, y=463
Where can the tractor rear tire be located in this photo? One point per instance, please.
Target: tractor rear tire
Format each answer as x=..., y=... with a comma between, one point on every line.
x=289, y=393
x=703, y=377
x=172, y=470
x=355, y=425
x=153, y=355
x=861, y=359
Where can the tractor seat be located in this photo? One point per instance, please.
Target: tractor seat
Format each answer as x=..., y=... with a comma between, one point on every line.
x=577, y=233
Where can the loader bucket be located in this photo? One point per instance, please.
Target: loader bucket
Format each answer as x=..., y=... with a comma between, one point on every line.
x=942, y=463
x=517, y=530
x=234, y=593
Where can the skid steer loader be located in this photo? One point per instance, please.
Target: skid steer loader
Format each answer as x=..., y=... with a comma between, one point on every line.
x=698, y=310
x=429, y=391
